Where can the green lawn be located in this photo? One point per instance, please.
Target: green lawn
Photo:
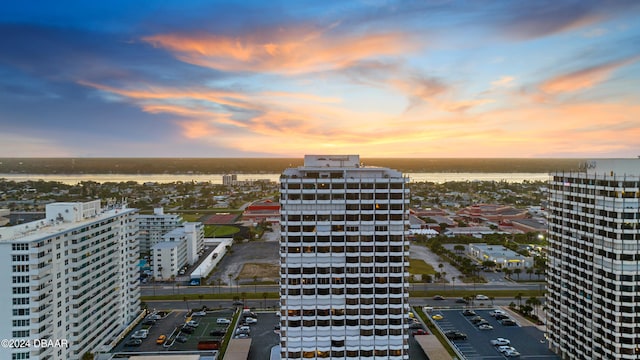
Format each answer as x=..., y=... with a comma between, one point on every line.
x=191, y=217
x=420, y=267
x=219, y=230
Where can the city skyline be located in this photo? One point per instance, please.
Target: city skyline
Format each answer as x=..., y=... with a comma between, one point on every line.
x=283, y=79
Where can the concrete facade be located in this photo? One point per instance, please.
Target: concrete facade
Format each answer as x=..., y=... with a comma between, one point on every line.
x=344, y=261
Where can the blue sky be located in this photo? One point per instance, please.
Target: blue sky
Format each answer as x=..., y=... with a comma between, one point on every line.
x=288, y=78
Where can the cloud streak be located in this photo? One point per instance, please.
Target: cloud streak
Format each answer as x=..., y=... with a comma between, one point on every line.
x=284, y=51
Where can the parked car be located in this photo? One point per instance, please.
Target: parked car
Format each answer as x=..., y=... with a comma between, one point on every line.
x=193, y=323
x=415, y=325
x=223, y=321
x=241, y=336
x=181, y=339
x=250, y=320
x=508, y=322
x=477, y=319
x=497, y=311
x=501, y=316
x=485, y=327
x=149, y=322
x=187, y=329
x=468, y=312
x=455, y=335
x=500, y=342
x=505, y=348
x=140, y=334
x=161, y=339
x=218, y=332
x=133, y=342
x=437, y=317
x=511, y=353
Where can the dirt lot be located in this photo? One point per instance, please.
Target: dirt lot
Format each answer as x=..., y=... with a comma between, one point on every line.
x=261, y=271
x=260, y=255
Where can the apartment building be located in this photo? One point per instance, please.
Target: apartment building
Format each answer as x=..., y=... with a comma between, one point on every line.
x=71, y=278
x=344, y=261
x=180, y=247
x=593, y=275
x=154, y=227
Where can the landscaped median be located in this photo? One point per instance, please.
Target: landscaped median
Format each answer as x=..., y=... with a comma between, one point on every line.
x=434, y=330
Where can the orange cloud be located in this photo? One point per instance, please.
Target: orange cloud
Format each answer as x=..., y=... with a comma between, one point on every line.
x=197, y=129
x=583, y=79
x=289, y=51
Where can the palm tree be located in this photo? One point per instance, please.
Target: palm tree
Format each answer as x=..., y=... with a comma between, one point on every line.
x=444, y=280
x=507, y=272
x=458, y=248
x=264, y=299
x=535, y=302
x=219, y=281
x=492, y=298
x=529, y=271
x=519, y=298
x=517, y=271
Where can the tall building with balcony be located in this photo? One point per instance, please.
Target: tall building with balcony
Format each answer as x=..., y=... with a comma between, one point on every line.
x=154, y=226
x=70, y=278
x=344, y=261
x=593, y=274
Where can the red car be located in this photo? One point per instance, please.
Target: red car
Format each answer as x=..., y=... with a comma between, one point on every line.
x=420, y=332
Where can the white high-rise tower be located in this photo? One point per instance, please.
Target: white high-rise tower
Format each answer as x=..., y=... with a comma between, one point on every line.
x=70, y=281
x=344, y=260
x=593, y=275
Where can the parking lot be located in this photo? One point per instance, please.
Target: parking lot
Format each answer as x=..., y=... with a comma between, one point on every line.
x=527, y=339
x=263, y=336
x=169, y=325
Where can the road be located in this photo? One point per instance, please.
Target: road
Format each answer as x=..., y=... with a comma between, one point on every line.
x=173, y=289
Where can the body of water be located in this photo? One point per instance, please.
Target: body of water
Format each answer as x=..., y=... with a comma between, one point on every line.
x=73, y=179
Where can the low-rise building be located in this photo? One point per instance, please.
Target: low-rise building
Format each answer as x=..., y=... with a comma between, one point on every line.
x=500, y=255
x=259, y=211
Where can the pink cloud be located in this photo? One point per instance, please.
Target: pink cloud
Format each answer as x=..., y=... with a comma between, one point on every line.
x=583, y=79
x=287, y=51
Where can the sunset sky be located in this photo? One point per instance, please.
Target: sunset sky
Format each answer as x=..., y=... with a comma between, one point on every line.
x=287, y=78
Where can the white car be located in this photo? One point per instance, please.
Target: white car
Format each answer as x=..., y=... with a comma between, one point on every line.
x=482, y=297
x=500, y=342
x=199, y=313
x=140, y=334
x=193, y=323
x=495, y=312
x=511, y=353
x=223, y=321
x=506, y=348
x=485, y=327
x=250, y=320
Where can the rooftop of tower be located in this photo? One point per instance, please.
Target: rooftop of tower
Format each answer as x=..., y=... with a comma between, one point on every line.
x=338, y=167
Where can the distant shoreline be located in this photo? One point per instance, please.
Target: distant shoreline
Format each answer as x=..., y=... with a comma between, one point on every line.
x=214, y=166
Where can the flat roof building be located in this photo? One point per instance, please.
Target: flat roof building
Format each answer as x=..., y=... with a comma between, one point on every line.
x=344, y=260
x=72, y=276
